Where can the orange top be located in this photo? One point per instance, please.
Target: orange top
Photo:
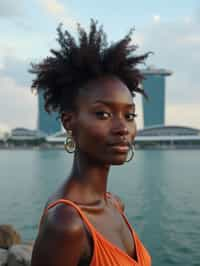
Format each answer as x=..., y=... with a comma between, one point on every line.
x=105, y=253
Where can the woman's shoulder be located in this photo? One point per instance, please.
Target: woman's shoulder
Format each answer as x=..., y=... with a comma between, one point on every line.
x=63, y=217
x=62, y=230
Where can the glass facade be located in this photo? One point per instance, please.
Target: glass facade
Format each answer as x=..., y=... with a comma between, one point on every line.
x=154, y=106
x=47, y=123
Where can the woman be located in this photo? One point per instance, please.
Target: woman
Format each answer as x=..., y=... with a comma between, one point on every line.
x=92, y=86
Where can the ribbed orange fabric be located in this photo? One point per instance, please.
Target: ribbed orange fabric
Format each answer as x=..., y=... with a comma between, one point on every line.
x=105, y=253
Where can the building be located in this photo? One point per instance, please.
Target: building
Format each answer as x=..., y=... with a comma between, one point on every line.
x=56, y=140
x=23, y=136
x=3, y=134
x=168, y=137
x=154, y=86
x=170, y=130
x=46, y=123
x=3, y=137
x=19, y=133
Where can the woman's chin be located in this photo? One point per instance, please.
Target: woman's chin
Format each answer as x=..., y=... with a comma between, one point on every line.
x=118, y=161
x=112, y=160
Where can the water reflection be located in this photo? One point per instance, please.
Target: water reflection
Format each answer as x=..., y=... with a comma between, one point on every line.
x=153, y=180
x=160, y=190
x=50, y=169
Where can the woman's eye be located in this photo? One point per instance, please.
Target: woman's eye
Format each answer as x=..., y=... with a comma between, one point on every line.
x=131, y=116
x=103, y=115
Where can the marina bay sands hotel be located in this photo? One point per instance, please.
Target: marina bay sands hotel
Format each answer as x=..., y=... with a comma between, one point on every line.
x=153, y=108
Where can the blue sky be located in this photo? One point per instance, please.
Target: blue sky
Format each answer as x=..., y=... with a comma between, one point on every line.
x=169, y=29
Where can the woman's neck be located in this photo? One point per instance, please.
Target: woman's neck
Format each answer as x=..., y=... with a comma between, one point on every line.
x=88, y=179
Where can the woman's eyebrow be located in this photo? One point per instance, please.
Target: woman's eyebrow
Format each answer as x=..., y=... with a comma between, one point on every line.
x=113, y=103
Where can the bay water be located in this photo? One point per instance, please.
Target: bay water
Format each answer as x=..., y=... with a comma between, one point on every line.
x=160, y=189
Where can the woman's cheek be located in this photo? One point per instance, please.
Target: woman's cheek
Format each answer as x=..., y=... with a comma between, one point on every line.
x=92, y=133
x=99, y=132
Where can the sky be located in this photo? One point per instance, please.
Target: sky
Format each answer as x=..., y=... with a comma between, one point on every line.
x=169, y=29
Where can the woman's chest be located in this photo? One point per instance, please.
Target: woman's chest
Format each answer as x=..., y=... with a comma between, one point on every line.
x=111, y=227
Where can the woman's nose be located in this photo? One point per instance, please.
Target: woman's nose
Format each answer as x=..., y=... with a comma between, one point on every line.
x=120, y=127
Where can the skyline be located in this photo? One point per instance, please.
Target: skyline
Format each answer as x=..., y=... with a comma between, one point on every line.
x=171, y=32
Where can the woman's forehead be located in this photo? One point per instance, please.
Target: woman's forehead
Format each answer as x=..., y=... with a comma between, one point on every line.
x=107, y=89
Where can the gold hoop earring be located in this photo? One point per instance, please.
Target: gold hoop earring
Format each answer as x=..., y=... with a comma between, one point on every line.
x=69, y=144
x=131, y=152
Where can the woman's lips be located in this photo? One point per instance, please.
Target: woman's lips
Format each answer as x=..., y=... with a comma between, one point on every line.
x=119, y=148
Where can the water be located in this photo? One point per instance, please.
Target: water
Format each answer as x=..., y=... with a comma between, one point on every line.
x=160, y=189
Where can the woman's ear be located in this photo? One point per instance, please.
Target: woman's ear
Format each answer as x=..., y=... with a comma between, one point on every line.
x=67, y=119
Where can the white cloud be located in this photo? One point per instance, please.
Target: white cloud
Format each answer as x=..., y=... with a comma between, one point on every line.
x=137, y=39
x=54, y=7
x=6, y=48
x=11, y=8
x=138, y=111
x=24, y=48
x=183, y=114
x=18, y=105
x=156, y=18
x=17, y=70
x=1, y=66
x=176, y=47
x=175, y=114
x=193, y=39
x=187, y=19
x=59, y=12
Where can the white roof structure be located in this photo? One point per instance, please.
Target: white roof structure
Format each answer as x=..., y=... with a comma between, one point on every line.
x=168, y=130
x=21, y=133
x=57, y=137
x=151, y=70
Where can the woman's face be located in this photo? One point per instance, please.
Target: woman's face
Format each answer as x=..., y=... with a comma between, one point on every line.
x=104, y=122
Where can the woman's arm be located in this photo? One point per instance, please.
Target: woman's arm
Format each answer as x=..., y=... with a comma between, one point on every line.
x=61, y=240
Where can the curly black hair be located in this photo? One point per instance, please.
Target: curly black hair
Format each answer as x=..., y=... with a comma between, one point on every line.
x=62, y=75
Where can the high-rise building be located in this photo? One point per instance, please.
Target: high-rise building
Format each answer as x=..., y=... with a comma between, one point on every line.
x=154, y=86
x=46, y=123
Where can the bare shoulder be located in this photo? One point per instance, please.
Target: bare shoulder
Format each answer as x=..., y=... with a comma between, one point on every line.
x=65, y=218
x=119, y=201
x=61, y=239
